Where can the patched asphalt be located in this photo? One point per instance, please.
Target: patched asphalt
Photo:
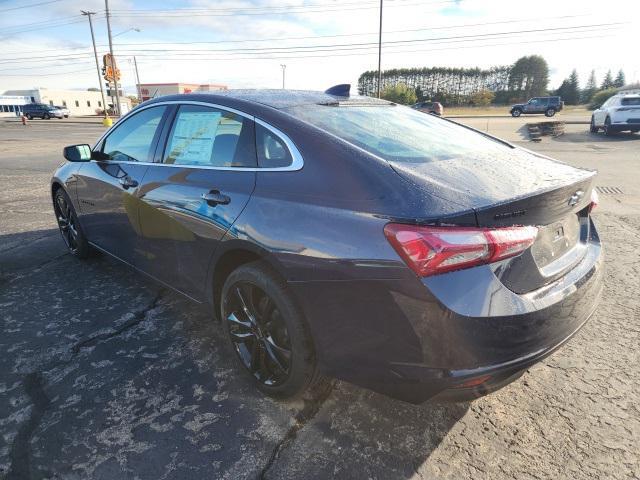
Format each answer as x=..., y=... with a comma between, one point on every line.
x=106, y=375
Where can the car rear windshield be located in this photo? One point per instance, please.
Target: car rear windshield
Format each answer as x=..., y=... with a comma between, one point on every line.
x=631, y=101
x=398, y=134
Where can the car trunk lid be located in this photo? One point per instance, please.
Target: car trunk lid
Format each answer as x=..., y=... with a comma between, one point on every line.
x=517, y=187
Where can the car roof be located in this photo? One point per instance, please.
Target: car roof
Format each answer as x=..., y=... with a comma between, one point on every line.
x=276, y=98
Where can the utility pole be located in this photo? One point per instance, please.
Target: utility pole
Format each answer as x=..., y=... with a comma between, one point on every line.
x=95, y=53
x=113, y=58
x=379, y=51
x=135, y=64
x=284, y=67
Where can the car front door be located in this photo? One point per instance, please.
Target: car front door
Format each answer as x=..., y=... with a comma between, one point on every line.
x=108, y=187
x=201, y=182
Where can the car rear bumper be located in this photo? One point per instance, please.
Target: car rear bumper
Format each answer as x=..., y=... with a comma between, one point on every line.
x=414, y=343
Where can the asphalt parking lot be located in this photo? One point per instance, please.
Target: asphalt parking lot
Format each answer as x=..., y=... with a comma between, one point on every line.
x=105, y=375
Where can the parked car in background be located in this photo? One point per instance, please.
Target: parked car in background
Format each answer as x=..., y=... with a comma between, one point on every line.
x=41, y=110
x=547, y=105
x=347, y=237
x=618, y=114
x=65, y=111
x=434, y=108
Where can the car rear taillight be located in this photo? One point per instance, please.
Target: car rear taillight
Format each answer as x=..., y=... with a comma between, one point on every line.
x=432, y=250
x=595, y=199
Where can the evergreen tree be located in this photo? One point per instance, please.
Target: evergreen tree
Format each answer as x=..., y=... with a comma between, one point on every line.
x=591, y=88
x=529, y=76
x=570, y=89
x=607, y=82
x=620, y=80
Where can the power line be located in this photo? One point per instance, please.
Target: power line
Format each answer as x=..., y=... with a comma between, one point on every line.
x=450, y=27
x=29, y=6
x=331, y=47
x=282, y=11
x=288, y=8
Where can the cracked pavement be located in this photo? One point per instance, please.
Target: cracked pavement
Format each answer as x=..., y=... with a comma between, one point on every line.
x=106, y=375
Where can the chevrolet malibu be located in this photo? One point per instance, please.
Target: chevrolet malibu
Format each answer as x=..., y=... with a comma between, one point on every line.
x=338, y=236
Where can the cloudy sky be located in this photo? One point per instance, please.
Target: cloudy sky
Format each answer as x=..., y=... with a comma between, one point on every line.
x=242, y=43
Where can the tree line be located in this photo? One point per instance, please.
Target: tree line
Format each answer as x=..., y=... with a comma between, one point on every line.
x=572, y=94
x=527, y=77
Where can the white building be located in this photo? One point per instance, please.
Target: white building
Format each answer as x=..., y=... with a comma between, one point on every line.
x=79, y=102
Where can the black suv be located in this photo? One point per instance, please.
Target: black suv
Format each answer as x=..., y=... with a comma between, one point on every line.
x=547, y=105
x=40, y=110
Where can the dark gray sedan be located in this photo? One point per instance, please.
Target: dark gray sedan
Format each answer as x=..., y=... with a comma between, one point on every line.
x=348, y=237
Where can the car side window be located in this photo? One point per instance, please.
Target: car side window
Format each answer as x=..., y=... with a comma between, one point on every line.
x=211, y=137
x=131, y=141
x=272, y=150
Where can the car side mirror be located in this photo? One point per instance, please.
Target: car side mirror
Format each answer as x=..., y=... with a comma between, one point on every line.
x=77, y=153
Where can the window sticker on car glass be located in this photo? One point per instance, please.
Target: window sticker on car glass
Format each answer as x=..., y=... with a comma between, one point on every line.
x=193, y=137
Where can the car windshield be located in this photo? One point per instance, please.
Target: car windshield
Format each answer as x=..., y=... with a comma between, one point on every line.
x=631, y=101
x=398, y=134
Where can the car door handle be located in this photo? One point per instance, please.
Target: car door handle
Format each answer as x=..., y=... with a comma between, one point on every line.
x=128, y=182
x=214, y=197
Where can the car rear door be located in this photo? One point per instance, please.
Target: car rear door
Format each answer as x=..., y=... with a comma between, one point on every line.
x=204, y=174
x=108, y=188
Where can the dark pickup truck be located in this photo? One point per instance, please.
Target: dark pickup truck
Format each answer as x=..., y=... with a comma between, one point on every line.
x=547, y=105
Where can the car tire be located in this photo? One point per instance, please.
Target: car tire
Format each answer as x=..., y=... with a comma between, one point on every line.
x=607, y=127
x=268, y=333
x=550, y=112
x=69, y=226
x=592, y=126
x=29, y=116
x=46, y=116
x=516, y=113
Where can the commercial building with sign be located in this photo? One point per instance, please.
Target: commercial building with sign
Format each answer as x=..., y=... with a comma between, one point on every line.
x=152, y=90
x=79, y=102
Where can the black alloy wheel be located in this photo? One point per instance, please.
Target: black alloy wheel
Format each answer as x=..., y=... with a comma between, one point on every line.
x=550, y=112
x=516, y=113
x=268, y=333
x=258, y=333
x=46, y=116
x=69, y=227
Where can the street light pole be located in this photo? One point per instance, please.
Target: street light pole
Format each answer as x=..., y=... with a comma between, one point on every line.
x=284, y=67
x=135, y=64
x=113, y=58
x=95, y=53
x=380, y=52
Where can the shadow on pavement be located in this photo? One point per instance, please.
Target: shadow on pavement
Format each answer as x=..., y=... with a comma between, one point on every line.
x=588, y=137
x=104, y=374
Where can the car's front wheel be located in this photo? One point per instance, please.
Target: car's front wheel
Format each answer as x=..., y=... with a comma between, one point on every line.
x=592, y=127
x=268, y=333
x=69, y=226
x=46, y=116
x=29, y=117
x=516, y=112
x=550, y=112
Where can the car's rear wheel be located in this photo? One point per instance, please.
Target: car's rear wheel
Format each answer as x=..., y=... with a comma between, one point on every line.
x=592, y=127
x=69, y=226
x=550, y=112
x=516, y=112
x=607, y=127
x=268, y=333
x=29, y=116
